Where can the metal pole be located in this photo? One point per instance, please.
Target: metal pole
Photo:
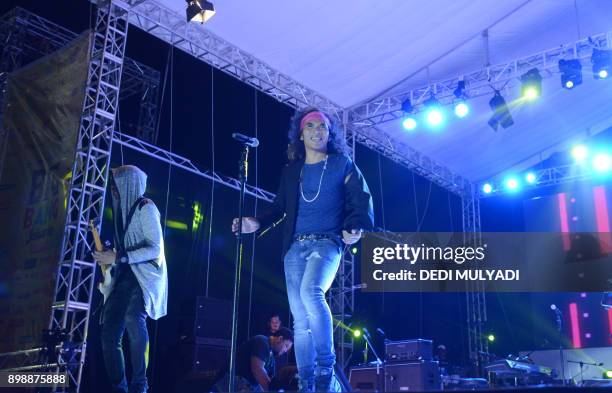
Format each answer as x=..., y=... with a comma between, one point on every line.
x=244, y=169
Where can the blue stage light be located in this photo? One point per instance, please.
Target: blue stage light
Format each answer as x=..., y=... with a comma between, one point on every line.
x=409, y=123
x=580, y=153
x=602, y=162
x=512, y=183
x=435, y=117
x=462, y=109
x=434, y=112
x=487, y=188
x=530, y=177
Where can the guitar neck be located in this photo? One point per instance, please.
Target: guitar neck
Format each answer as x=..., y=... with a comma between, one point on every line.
x=96, y=237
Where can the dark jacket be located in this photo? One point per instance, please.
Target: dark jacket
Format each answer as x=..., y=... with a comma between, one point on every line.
x=358, y=208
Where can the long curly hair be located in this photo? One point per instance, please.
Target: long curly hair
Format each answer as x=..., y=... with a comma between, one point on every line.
x=296, y=151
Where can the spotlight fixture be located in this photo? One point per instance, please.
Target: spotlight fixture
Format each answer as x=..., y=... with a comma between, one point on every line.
x=580, y=153
x=487, y=188
x=434, y=111
x=571, y=73
x=460, y=90
x=531, y=87
x=602, y=162
x=602, y=60
x=491, y=337
x=512, y=183
x=461, y=106
x=407, y=106
x=199, y=11
x=501, y=114
x=409, y=122
x=462, y=109
x=530, y=177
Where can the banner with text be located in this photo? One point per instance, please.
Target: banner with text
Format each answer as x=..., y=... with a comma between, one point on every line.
x=44, y=101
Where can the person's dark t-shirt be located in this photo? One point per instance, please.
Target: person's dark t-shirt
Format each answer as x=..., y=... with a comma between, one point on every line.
x=258, y=346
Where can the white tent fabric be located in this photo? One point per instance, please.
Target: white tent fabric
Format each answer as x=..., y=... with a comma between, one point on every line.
x=353, y=51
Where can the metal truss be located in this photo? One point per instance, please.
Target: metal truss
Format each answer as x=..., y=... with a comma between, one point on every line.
x=543, y=178
x=411, y=159
x=476, y=305
x=3, y=133
x=76, y=271
x=481, y=82
x=27, y=36
x=12, y=37
x=28, y=359
x=341, y=298
x=146, y=128
x=194, y=39
x=186, y=164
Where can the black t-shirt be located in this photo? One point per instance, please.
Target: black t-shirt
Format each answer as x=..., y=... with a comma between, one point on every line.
x=258, y=346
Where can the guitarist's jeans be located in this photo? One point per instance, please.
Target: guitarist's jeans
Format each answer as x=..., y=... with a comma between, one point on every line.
x=124, y=310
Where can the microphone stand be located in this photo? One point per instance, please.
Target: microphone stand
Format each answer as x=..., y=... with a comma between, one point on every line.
x=582, y=364
x=243, y=174
x=368, y=344
x=561, y=354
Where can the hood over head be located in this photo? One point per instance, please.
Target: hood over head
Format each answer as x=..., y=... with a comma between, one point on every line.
x=131, y=183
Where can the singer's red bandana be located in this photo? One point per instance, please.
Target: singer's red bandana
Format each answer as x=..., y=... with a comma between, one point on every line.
x=316, y=115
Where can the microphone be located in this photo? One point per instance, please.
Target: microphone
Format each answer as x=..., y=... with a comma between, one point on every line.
x=367, y=333
x=381, y=332
x=555, y=308
x=247, y=140
x=558, y=316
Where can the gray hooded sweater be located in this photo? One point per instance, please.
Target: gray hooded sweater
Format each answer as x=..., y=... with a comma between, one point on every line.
x=144, y=241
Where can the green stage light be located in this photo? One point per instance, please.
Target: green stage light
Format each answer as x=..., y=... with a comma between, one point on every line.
x=491, y=338
x=356, y=333
x=531, y=84
x=198, y=217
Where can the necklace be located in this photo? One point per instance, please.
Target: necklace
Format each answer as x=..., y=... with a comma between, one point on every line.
x=320, y=181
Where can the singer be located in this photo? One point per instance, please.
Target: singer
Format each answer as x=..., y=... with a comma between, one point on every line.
x=326, y=203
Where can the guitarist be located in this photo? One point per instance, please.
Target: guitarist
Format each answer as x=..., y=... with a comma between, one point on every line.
x=140, y=282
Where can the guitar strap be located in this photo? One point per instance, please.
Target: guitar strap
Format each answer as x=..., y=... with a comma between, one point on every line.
x=127, y=223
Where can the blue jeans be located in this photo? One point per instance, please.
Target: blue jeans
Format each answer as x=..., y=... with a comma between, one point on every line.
x=124, y=310
x=310, y=268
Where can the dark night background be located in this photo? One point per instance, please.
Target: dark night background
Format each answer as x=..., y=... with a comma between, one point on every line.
x=199, y=102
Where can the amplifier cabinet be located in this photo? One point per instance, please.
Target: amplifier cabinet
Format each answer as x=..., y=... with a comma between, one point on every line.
x=408, y=350
x=421, y=376
x=367, y=378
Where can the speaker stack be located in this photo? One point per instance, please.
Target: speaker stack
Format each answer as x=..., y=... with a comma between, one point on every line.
x=207, y=350
x=409, y=366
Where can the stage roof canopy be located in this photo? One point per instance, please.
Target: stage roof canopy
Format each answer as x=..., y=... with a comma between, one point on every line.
x=355, y=51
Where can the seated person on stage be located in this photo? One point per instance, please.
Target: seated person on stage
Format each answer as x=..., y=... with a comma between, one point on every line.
x=255, y=361
x=274, y=323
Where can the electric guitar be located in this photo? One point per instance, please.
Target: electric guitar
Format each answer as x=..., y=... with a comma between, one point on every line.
x=106, y=285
